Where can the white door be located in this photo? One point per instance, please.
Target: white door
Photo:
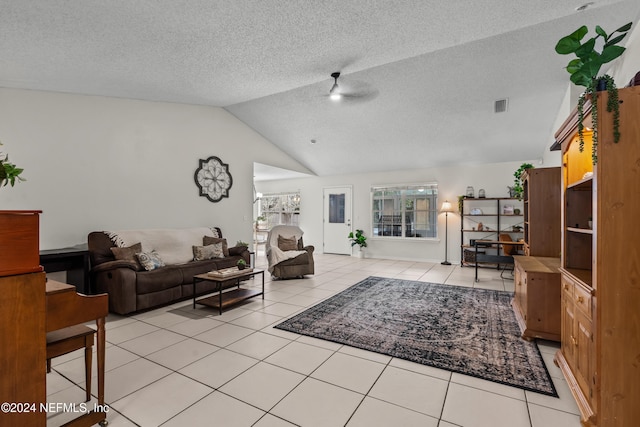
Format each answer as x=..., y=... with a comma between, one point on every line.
x=337, y=220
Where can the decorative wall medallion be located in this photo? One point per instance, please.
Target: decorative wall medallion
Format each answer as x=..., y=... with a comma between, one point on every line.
x=213, y=179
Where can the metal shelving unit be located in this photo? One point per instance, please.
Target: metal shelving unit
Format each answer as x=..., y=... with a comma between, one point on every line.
x=492, y=215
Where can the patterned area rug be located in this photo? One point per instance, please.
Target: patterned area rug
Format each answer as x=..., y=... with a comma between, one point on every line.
x=464, y=330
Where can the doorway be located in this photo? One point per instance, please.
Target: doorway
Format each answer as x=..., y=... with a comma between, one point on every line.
x=337, y=220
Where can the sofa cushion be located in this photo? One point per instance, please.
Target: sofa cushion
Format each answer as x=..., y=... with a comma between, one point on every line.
x=207, y=240
x=160, y=279
x=214, y=250
x=287, y=243
x=192, y=268
x=128, y=254
x=150, y=260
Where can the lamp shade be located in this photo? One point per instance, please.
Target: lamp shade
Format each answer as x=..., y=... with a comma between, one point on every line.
x=446, y=207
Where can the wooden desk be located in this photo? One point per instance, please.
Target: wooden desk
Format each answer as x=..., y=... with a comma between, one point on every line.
x=497, y=259
x=73, y=260
x=65, y=307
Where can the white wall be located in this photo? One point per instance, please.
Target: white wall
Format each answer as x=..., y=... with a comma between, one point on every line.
x=97, y=163
x=452, y=182
x=625, y=68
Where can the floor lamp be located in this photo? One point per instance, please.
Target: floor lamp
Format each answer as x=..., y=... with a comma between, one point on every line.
x=446, y=208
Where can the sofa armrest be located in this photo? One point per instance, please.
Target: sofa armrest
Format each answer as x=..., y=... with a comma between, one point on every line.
x=119, y=283
x=242, y=252
x=309, y=249
x=238, y=251
x=112, y=265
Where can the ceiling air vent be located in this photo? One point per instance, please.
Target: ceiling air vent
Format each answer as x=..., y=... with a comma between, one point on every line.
x=500, y=106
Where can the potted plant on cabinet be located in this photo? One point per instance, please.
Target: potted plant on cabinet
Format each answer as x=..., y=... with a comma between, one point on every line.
x=517, y=189
x=9, y=172
x=584, y=72
x=358, y=239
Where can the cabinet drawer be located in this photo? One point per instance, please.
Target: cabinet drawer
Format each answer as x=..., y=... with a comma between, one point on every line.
x=567, y=288
x=582, y=299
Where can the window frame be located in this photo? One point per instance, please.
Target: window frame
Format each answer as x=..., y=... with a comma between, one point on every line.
x=400, y=204
x=286, y=211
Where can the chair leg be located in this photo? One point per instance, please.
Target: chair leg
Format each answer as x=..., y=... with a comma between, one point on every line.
x=505, y=269
x=48, y=366
x=87, y=371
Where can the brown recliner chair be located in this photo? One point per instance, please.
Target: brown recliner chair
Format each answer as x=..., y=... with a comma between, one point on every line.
x=286, y=253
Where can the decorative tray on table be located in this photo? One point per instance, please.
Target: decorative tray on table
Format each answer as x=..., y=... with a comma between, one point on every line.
x=228, y=272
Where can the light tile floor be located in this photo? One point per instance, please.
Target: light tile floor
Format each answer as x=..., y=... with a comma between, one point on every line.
x=179, y=366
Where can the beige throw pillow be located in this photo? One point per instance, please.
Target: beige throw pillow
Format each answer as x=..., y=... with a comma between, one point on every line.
x=208, y=240
x=201, y=253
x=128, y=254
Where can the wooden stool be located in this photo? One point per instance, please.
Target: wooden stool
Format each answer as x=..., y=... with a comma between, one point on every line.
x=63, y=341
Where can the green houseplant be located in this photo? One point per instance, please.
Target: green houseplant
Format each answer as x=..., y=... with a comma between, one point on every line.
x=9, y=172
x=518, y=189
x=242, y=264
x=358, y=239
x=584, y=71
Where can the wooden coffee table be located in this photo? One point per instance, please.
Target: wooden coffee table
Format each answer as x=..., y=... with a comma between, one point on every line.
x=227, y=278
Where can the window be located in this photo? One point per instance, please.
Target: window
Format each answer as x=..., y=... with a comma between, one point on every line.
x=405, y=211
x=279, y=209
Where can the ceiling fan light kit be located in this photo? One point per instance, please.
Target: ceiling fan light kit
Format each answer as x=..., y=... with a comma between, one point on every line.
x=334, y=93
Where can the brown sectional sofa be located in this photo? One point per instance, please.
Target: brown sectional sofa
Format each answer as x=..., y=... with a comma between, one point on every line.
x=132, y=288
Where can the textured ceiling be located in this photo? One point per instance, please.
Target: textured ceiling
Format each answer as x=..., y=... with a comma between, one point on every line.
x=430, y=70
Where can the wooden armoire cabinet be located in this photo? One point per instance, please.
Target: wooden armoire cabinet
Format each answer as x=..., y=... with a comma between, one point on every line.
x=600, y=267
x=536, y=301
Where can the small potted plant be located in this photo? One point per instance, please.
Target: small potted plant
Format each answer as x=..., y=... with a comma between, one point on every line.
x=358, y=239
x=518, y=189
x=242, y=264
x=9, y=172
x=460, y=202
x=241, y=243
x=584, y=72
x=261, y=222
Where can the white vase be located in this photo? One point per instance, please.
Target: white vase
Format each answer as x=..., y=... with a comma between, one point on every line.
x=360, y=253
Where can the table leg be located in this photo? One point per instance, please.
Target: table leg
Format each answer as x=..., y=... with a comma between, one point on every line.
x=262, y=284
x=100, y=348
x=194, y=292
x=476, y=249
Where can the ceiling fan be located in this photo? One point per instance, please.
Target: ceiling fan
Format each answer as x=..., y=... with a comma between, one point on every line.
x=350, y=90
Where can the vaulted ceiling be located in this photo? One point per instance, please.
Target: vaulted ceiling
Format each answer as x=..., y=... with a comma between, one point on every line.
x=426, y=72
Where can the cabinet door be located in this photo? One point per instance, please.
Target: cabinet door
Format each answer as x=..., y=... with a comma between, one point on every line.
x=584, y=353
x=568, y=322
x=520, y=279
